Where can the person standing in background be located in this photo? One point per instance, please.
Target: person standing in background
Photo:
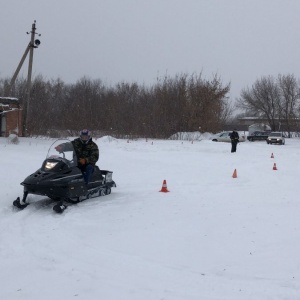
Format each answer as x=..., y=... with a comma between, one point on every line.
x=234, y=136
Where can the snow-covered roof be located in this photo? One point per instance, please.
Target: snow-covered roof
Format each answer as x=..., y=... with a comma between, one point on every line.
x=251, y=118
x=9, y=99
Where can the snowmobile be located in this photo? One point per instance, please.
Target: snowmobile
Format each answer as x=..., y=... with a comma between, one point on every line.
x=60, y=179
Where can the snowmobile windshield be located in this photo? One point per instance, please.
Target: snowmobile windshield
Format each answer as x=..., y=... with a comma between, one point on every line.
x=63, y=149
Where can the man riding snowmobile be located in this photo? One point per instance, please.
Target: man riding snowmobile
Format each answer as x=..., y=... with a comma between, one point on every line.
x=87, y=153
x=63, y=180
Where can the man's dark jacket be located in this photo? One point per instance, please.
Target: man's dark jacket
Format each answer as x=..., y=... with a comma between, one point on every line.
x=234, y=136
x=89, y=151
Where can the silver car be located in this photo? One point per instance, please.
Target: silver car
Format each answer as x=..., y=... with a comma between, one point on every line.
x=276, y=138
x=225, y=137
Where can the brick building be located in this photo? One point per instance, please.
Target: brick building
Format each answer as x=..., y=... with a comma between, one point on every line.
x=10, y=116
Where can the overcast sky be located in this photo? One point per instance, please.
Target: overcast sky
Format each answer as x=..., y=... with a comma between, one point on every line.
x=140, y=40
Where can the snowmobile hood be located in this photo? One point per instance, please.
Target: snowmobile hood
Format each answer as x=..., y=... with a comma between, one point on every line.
x=53, y=171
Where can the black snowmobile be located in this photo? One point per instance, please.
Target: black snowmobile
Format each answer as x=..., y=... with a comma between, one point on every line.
x=61, y=180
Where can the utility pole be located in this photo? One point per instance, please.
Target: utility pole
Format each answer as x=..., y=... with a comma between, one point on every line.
x=32, y=44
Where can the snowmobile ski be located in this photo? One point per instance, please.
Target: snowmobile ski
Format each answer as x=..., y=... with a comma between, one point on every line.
x=59, y=207
x=20, y=205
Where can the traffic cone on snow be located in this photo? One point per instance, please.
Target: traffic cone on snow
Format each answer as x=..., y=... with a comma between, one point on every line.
x=164, y=188
x=274, y=167
x=234, y=175
x=272, y=156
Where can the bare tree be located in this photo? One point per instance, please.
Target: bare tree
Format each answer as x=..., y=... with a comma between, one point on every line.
x=290, y=95
x=263, y=99
x=207, y=103
x=172, y=104
x=274, y=99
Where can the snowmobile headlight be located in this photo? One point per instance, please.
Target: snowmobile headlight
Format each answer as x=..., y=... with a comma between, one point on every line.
x=50, y=165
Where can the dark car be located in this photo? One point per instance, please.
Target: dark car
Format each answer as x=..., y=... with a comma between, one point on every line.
x=258, y=136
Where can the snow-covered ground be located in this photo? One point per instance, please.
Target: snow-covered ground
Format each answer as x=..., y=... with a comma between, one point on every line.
x=211, y=237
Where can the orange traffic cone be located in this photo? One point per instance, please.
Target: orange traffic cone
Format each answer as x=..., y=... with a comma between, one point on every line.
x=234, y=175
x=272, y=156
x=274, y=167
x=164, y=188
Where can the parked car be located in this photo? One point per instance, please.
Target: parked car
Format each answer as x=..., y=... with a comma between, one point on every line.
x=258, y=136
x=225, y=137
x=276, y=138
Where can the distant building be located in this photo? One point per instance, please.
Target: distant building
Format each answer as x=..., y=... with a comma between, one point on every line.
x=252, y=120
x=256, y=123
x=10, y=116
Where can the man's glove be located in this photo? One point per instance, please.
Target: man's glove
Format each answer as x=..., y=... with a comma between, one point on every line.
x=82, y=161
x=58, y=148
